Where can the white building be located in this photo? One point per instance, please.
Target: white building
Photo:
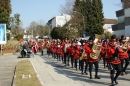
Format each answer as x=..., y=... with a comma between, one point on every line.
x=59, y=21
x=108, y=25
x=123, y=15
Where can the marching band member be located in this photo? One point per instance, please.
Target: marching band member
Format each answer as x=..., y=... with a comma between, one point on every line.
x=92, y=61
x=53, y=49
x=47, y=45
x=77, y=53
x=113, y=60
x=66, y=45
x=123, y=55
x=58, y=51
x=129, y=50
x=103, y=53
x=35, y=47
x=42, y=47
x=72, y=52
x=62, y=51
x=84, y=59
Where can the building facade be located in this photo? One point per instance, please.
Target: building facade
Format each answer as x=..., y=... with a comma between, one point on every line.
x=59, y=21
x=123, y=16
x=108, y=25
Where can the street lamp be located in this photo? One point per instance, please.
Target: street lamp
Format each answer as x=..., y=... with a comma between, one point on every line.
x=49, y=29
x=82, y=16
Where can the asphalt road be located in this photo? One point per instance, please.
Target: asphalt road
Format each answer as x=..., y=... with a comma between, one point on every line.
x=53, y=73
x=7, y=67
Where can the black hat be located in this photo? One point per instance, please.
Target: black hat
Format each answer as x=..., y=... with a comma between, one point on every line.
x=91, y=38
x=122, y=37
x=113, y=38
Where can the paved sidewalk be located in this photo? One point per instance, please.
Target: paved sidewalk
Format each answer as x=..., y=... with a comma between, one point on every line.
x=7, y=67
x=53, y=73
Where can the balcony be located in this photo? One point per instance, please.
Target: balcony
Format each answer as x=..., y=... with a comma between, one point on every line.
x=119, y=26
x=127, y=21
x=115, y=27
x=120, y=13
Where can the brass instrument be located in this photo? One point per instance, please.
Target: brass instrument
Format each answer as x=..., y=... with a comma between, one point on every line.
x=126, y=44
x=96, y=47
x=47, y=45
x=82, y=55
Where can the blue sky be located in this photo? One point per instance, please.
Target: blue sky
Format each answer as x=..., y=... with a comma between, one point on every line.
x=43, y=10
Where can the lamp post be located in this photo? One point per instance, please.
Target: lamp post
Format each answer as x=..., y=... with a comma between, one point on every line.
x=83, y=18
x=49, y=29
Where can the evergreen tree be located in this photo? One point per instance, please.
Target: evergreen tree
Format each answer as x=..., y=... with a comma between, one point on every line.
x=79, y=15
x=5, y=11
x=93, y=15
x=97, y=20
x=88, y=16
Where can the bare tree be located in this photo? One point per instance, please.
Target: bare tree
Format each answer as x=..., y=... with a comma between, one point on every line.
x=41, y=22
x=32, y=28
x=67, y=8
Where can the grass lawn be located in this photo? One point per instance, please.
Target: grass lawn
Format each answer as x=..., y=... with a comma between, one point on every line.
x=26, y=68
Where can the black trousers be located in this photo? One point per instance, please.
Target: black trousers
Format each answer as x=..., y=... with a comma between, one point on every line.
x=54, y=55
x=104, y=62
x=80, y=62
x=72, y=61
x=42, y=52
x=116, y=67
x=48, y=52
x=75, y=61
x=91, y=66
x=34, y=50
x=58, y=57
x=82, y=65
x=123, y=69
x=65, y=57
x=129, y=55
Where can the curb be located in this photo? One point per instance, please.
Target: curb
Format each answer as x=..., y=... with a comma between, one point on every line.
x=8, y=54
x=13, y=79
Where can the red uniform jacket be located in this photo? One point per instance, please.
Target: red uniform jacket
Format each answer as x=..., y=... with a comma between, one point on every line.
x=84, y=47
x=88, y=50
x=122, y=55
x=110, y=52
x=61, y=50
x=53, y=48
x=72, y=52
x=58, y=49
x=77, y=52
x=103, y=52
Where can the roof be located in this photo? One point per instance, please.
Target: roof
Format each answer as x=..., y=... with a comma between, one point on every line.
x=110, y=21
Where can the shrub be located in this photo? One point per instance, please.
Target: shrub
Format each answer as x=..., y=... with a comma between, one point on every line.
x=19, y=36
x=8, y=36
x=107, y=35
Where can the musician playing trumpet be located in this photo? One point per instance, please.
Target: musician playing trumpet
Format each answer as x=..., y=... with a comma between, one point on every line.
x=123, y=54
x=113, y=60
x=104, y=53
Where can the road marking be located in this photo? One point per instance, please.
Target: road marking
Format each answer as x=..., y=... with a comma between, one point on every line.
x=37, y=73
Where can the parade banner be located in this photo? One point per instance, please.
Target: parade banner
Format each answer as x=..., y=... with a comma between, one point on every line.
x=2, y=33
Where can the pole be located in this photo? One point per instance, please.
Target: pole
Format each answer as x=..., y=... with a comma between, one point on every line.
x=83, y=19
x=1, y=49
x=32, y=33
x=84, y=23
